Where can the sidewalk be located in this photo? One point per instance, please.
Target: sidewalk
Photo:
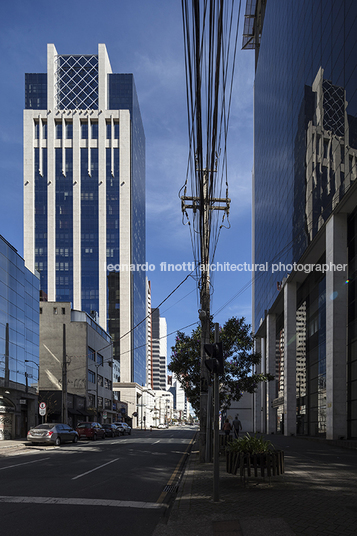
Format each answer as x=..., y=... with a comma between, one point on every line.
x=12, y=446
x=316, y=496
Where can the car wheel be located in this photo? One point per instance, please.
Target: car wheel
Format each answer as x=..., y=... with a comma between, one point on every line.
x=57, y=441
x=75, y=439
x=94, y=437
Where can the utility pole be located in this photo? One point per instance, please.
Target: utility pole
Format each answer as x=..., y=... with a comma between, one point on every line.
x=64, y=379
x=216, y=427
x=205, y=204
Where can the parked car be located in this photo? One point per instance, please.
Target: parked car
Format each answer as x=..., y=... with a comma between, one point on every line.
x=162, y=425
x=123, y=427
x=90, y=430
x=52, y=433
x=111, y=430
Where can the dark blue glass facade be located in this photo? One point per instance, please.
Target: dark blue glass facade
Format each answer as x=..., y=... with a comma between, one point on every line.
x=122, y=95
x=64, y=225
x=41, y=219
x=90, y=231
x=36, y=91
x=298, y=39
x=19, y=321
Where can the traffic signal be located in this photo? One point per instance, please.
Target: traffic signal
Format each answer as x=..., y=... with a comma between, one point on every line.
x=215, y=361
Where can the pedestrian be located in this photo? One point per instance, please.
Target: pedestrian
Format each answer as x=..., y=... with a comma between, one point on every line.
x=237, y=426
x=227, y=427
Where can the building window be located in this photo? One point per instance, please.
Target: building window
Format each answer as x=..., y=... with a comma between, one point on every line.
x=107, y=383
x=108, y=404
x=99, y=359
x=63, y=310
x=58, y=127
x=94, y=131
x=91, y=376
x=69, y=130
x=91, y=401
x=100, y=380
x=100, y=402
x=91, y=354
x=84, y=131
x=40, y=310
x=55, y=311
x=109, y=131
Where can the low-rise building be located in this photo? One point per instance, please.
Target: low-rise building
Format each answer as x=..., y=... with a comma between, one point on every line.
x=75, y=351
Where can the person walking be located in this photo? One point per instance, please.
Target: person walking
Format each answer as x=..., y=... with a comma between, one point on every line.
x=227, y=427
x=237, y=426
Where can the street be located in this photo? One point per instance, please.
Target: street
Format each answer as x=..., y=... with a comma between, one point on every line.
x=103, y=487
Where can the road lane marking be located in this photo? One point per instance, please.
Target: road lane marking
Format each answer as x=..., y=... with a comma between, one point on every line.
x=24, y=463
x=95, y=469
x=173, y=476
x=80, y=502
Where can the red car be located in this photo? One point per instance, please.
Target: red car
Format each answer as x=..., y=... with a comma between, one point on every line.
x=90, y=430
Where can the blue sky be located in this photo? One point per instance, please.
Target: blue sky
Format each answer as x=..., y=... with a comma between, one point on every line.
x=143, y=37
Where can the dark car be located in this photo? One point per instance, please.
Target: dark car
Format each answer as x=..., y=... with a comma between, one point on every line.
x=52, y=433
x=111, y=430
x=90, y=430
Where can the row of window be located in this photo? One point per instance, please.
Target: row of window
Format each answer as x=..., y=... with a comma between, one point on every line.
x=107, y=402
x=68, y=130
x=91, y=356
x=102, y=382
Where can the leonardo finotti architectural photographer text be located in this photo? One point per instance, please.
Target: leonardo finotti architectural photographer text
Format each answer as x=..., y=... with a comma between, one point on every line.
x=229, y=267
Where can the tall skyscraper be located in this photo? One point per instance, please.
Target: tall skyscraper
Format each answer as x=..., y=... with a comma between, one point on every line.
x=84, y=196
x=305, y=210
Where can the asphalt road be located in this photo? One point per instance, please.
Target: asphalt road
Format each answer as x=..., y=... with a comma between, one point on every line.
x=114, y=486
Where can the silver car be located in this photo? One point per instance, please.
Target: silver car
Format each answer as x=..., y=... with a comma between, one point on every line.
x=123, y=427
x=52, y=433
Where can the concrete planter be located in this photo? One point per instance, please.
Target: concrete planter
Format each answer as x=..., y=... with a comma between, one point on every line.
x=245, y=464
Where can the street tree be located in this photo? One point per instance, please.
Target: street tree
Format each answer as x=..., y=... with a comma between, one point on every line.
x=239, y=362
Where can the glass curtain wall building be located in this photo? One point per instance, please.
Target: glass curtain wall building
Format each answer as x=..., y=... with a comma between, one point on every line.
x=84, y=196
x=19, y=344
x=304, y=207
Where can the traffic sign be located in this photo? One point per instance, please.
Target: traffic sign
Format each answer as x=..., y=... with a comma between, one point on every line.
x=42, y=411
x=42, y=405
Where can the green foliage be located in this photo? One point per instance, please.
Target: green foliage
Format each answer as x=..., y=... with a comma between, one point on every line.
x=239, y=357
x=250, y=445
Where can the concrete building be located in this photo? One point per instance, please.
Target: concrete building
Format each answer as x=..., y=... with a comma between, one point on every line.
x=304, y=214
x=19, y=344
x=75, y=351
x=84, y=196
x=159, y=350
x=180, y=402
x=164, y=407
x=149, y=347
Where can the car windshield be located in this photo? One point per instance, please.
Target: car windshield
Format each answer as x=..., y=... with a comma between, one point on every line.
x=44, y=427
x=84, y=425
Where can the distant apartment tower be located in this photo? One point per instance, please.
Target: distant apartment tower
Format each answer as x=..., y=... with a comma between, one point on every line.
x=149, y=363
x=84, y=196
x=159, y=350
